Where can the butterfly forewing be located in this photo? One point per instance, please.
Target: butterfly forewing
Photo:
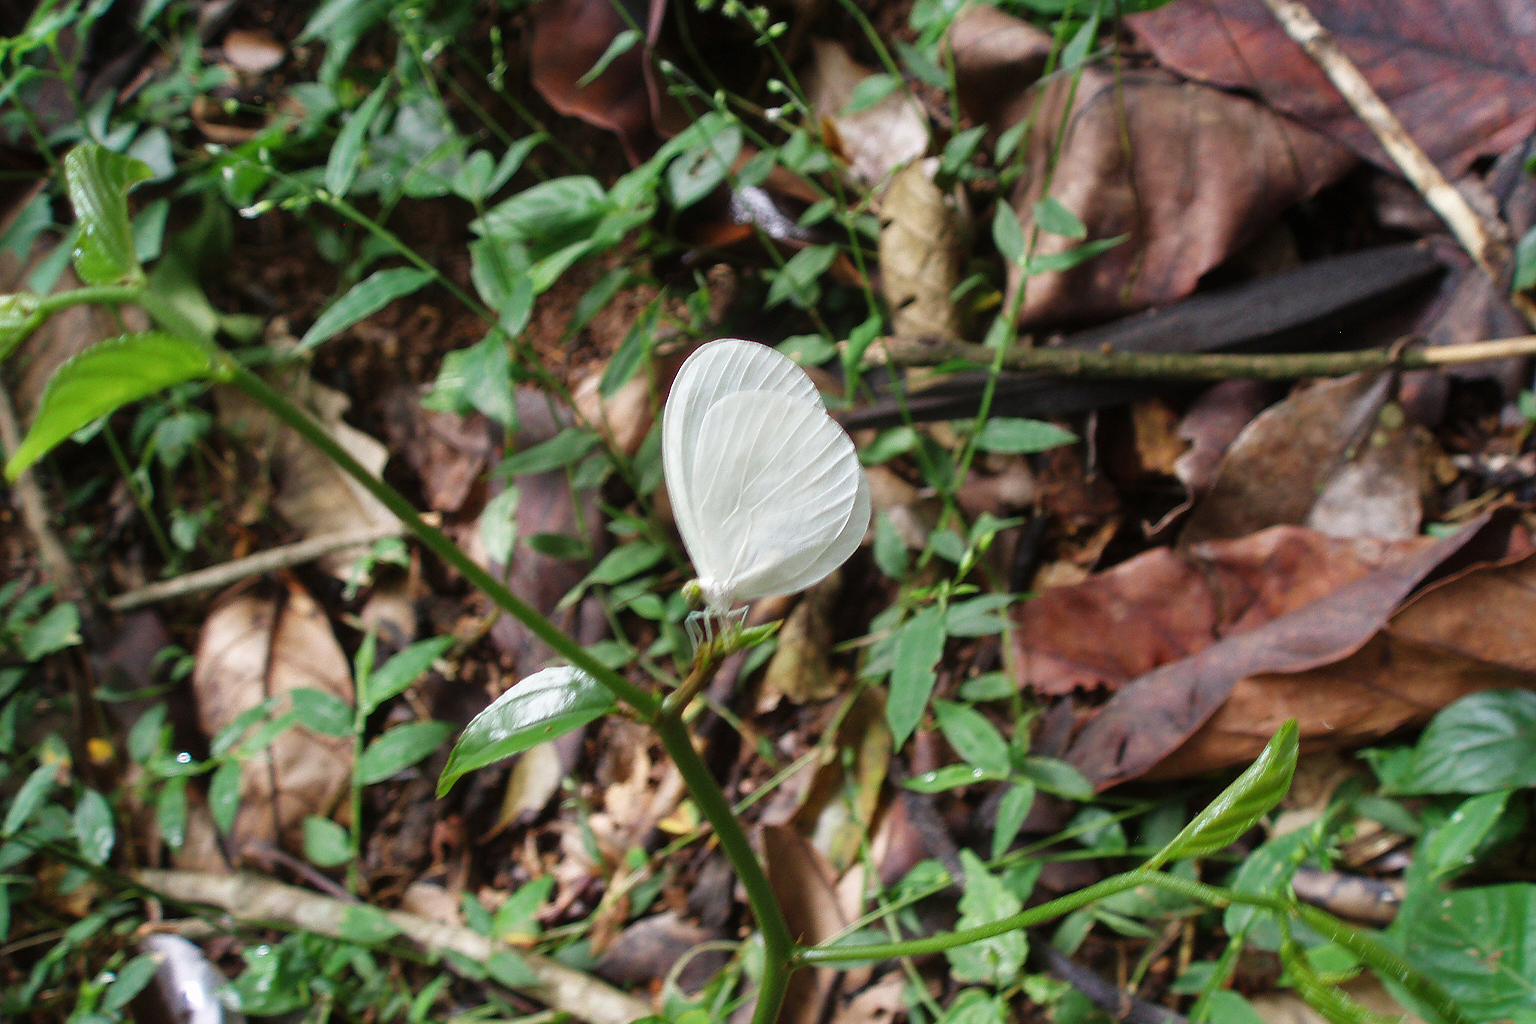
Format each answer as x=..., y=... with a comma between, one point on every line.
x=775, y=491
x=715, y=370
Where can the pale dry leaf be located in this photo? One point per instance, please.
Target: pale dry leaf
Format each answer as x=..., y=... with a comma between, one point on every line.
x=252, y=648
x=875, y=141
x=800, y=668
x=805, y=886
x=535, y=779
x=921, y=253
x=253, y=50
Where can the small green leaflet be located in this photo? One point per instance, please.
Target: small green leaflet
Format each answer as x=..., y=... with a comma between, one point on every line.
x=918, y=647
x=363, y=299
x=399, y=672
x=1052, y=216
x=346, y=154
x=1021, y=437
x=1478, y=744
x=399, y=748
x=98, y=181
x=18, y=318
x=325, y=843
x=621, y=44
x=94, y=831
x=559, y=451
x=104, y=377
x=871, y=91
x=974, y=738
x=545, y=705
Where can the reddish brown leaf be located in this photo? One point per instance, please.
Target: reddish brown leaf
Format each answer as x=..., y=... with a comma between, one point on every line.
x=1120, y=624
x=1330, y=664
x=1188, y=173
x=1459, y=74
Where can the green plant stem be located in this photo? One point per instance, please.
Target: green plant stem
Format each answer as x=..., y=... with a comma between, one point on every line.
x=140, y=499
x=706, y=793
x=644, y=704
x=778, y=948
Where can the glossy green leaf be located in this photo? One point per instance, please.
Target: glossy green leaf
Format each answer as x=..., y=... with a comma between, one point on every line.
x=103, y=378
x=547, y=216
x=545, y=705
x=477, y=378
x=326, y=843
x=1056, y=777
x=1479, y=944
x=399, y=748
x=1012, y=809
x=18, y=319
x=1480, y=744
x=171, y=812
x=798, y=281
x=130, y=981
x=363, y=299
x=346, y=154
x=29, y=798
x=1021, y=437
x=95, y=833
x=700, y=170
x=98, y=180
x=919, y=645
x=1238, y=807
x=978, y=616
x=57, y=629
x=1053, y=261
x=1266, y=871
x=870, y=91
x=1452, y=847
x=498, y=526
x=399, y=672
x=973, y=736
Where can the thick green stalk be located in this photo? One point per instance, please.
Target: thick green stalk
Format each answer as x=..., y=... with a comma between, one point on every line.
x=711, y=802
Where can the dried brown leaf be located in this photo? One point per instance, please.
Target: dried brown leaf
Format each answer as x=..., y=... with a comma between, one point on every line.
x=921, y=253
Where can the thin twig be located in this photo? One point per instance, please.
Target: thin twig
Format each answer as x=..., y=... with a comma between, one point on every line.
x=58, y=567
x=1487, y=248
x=1065, y=362
x=254, y=899
x=266, y=561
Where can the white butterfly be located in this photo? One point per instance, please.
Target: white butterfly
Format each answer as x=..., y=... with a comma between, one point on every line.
x=766, y=488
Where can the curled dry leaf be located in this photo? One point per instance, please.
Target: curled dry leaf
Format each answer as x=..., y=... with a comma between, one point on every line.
x=1459, y=74
x=253, y=648
x=921, y=253
x=1210, y=426
x=1384, y=652
x=1188, y=173
x=647, y=951
x=874, y=141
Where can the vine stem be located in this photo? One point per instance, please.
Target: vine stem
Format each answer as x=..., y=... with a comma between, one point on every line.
x=706, y=793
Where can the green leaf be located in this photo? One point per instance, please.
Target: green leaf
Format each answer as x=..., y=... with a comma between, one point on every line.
x=224, y=795
x=398, y=749
x=1057, y=219
x=171, y=812
x=626, y=561
x=1238, y=807
x=365, y=925
x=699, y=171
x=102, y=378
x=870, y=91
x=890, y=549
x=978, y=615
x=1452, y=848
x=1266, y=871
x=960, y=149
x=1480, y=744
x=1021, y=437
x=556, y=453
x=988, y=686
x=399, y=672
x=547, y=216
x=1525, y=262
x=1479, y=944
x=346, y=154
x=507, y=968
x=130, y=981
x=57, y=629
x=995, y=961
x=620, y=45
x=1052, y=261
x=363, y=299
x=477, y=378
x=95, y=833
x=18, y=319
x=631, y=353
x=1056, y=777
x=558, y=545
x=1008, y=234
x=797, y=281
x=974, y=738
x=322, y=712
x=951, y=777
x=543, y=706
x=98, y=180
x=918, y=648
x=29, y=798
x=498, y=526
x=1012, y=809
x=326, y=844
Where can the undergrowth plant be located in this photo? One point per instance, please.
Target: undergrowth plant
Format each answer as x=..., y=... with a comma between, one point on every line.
x=397, y=140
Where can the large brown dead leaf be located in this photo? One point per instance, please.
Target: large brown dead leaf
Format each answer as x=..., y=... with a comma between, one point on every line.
x=806, y=888
x=1188, y=173
x=1351, y=666
x=252, y=648
x=1121, y=624
x=1459, y=74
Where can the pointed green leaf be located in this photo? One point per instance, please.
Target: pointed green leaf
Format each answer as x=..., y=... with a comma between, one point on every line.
x=918, y=647
x=29, y=798
x=545, y=705
x=621, y=44
x=104, y=377
x=1021, y=437
x=366, y=925
x=346, y=154
x=974, y=738
x=1251, y=795
x=322, y=711
x=1052, y=216
x=98, y=181
x=363, y=299
x=224, y=795
x=1008, y=235
x=325, y=842
x=399, y=748
x=94, y=831
x=401, y=671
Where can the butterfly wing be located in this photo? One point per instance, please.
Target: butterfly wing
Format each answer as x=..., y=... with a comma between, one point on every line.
x=714, y=370
x=780, y=492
